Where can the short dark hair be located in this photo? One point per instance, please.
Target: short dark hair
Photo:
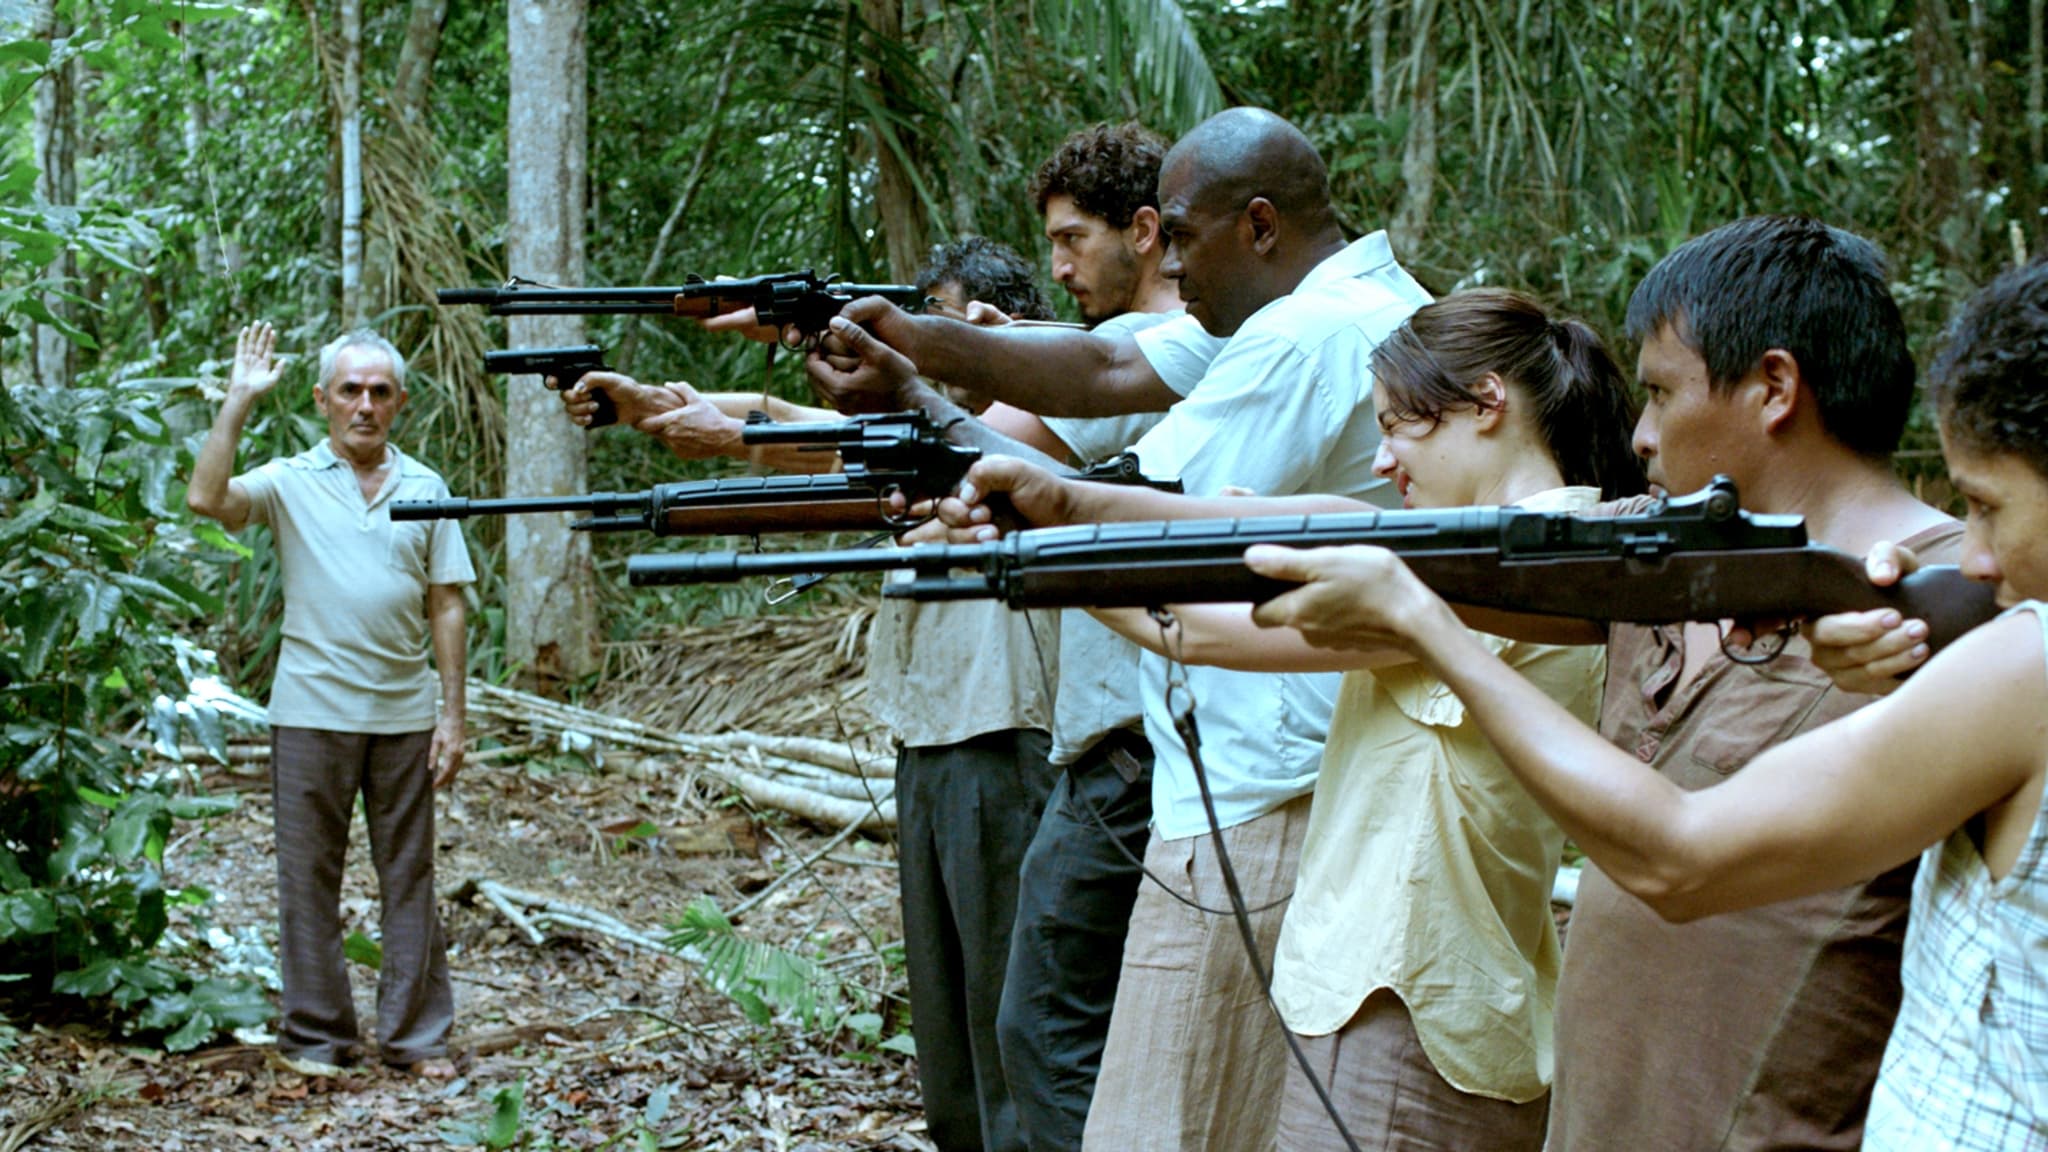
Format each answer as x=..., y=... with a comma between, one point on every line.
x=1795, y=283
x=989, y=271
x=1110, y=170
x=1990, y=382
x=1578, y=398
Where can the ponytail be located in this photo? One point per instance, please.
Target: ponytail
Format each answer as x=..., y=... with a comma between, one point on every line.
x=1579, y=400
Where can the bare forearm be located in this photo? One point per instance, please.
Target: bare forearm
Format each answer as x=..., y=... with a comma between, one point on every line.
x=447, y=626
x=962, y=428
x=1224, y=636
x=1048, y=371
x=208, y=493
x=1102, y=503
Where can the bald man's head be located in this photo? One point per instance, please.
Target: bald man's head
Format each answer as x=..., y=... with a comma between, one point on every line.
x=1242, y=153
x=1244, y=201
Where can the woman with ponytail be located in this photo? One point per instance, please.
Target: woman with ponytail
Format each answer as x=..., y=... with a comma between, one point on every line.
x=1417, y=962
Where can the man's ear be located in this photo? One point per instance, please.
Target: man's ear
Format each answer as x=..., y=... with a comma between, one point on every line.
x=1143, y=232
x=319, y=399
x=1777, y=379
x=1263, y=223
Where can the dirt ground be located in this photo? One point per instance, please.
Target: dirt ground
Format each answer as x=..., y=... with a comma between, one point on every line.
x=605, y=1044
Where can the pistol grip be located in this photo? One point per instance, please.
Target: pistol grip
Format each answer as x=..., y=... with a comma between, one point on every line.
x=607, y=412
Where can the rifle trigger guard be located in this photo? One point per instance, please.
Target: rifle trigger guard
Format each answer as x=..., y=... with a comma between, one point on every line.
x=1764, y=649
x=901, y=523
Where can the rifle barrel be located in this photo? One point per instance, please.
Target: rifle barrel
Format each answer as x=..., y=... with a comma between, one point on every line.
x=462, y=507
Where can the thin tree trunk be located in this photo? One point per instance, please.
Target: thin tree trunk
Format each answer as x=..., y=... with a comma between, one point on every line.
x=549, y=613
x=1377, y=27
x=351, y=112
x=204, y=254
x=2037, y=110
x=416, y=59
x=1418, y=154
x=902, y=217
x=1944, y=128
x=56, y=154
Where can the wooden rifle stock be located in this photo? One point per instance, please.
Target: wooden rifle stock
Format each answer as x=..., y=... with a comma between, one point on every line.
x=1695, y=558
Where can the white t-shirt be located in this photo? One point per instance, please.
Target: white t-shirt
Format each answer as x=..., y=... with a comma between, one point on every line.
x=355, y=655
x=1098, y=691
x=1286, y=408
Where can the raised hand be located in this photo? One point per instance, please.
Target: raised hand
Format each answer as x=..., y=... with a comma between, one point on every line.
x=255, y=372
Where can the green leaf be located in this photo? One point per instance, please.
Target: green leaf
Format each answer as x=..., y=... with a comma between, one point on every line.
x=98, y=605
x=27, y=914
x=36, y=52
x=505, y=1117
x=211, y=533
x=900, y=1042
x=128, y=831
x=81, y=846
x=202, y=807
x=363, y=950
x=94, y=796
x=197, y=1029
x=12, y=878
x=95, y=979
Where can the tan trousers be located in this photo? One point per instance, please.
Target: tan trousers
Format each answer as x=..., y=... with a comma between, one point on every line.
x=1392, y=1097
x=1195, y=1058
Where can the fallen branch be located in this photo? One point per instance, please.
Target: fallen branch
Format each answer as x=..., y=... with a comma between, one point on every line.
x=802, y=866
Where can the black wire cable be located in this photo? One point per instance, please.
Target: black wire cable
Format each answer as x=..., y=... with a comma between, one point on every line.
x=1191, y=739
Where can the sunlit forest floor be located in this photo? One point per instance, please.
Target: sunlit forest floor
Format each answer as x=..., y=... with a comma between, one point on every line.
x=607, y=1043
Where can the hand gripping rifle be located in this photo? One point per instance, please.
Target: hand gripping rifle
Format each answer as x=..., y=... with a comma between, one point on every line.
x=880, y=456
x=1698, y=557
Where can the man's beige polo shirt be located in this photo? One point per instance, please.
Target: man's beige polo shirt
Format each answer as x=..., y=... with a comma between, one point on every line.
x=355, y=655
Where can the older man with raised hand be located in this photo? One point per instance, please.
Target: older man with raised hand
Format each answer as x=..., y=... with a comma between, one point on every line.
x=1194, y=1056
x=352, y=708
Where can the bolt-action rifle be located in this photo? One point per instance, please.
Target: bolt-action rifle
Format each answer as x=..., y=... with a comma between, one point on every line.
x=797, y=304
x=880, y=457
x=1698, y=557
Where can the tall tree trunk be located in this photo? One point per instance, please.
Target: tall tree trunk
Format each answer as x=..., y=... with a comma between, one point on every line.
x=351, y=113
x=2037, y=114
x=1418, y=154
x=902, y=217
x=1377, y=27
x=416, y=59
x=549, y=611
x=204, y=255
x=1944, y=128
x=56, y=154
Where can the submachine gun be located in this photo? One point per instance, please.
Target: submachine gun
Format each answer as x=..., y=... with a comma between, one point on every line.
x=1698, y=557
x=880, y=456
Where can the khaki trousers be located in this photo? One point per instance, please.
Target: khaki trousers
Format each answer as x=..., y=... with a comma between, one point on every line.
x=315, y=776
x=1195, y=1057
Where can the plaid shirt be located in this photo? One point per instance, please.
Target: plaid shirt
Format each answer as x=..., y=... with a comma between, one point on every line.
x=1967, y=1066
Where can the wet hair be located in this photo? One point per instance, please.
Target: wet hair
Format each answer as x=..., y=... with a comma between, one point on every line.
x=360, y=338
x=989, y=271
x=1990, y=381
x=1794, y=283
x=1577, y=395
x=1110, y=170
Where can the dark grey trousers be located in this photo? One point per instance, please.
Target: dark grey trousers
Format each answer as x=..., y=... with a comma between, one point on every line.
x=964, y=815
x=315, y=776
x=1073, y=912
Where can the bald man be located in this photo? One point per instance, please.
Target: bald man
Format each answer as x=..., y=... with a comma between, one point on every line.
x=1195, y=1059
